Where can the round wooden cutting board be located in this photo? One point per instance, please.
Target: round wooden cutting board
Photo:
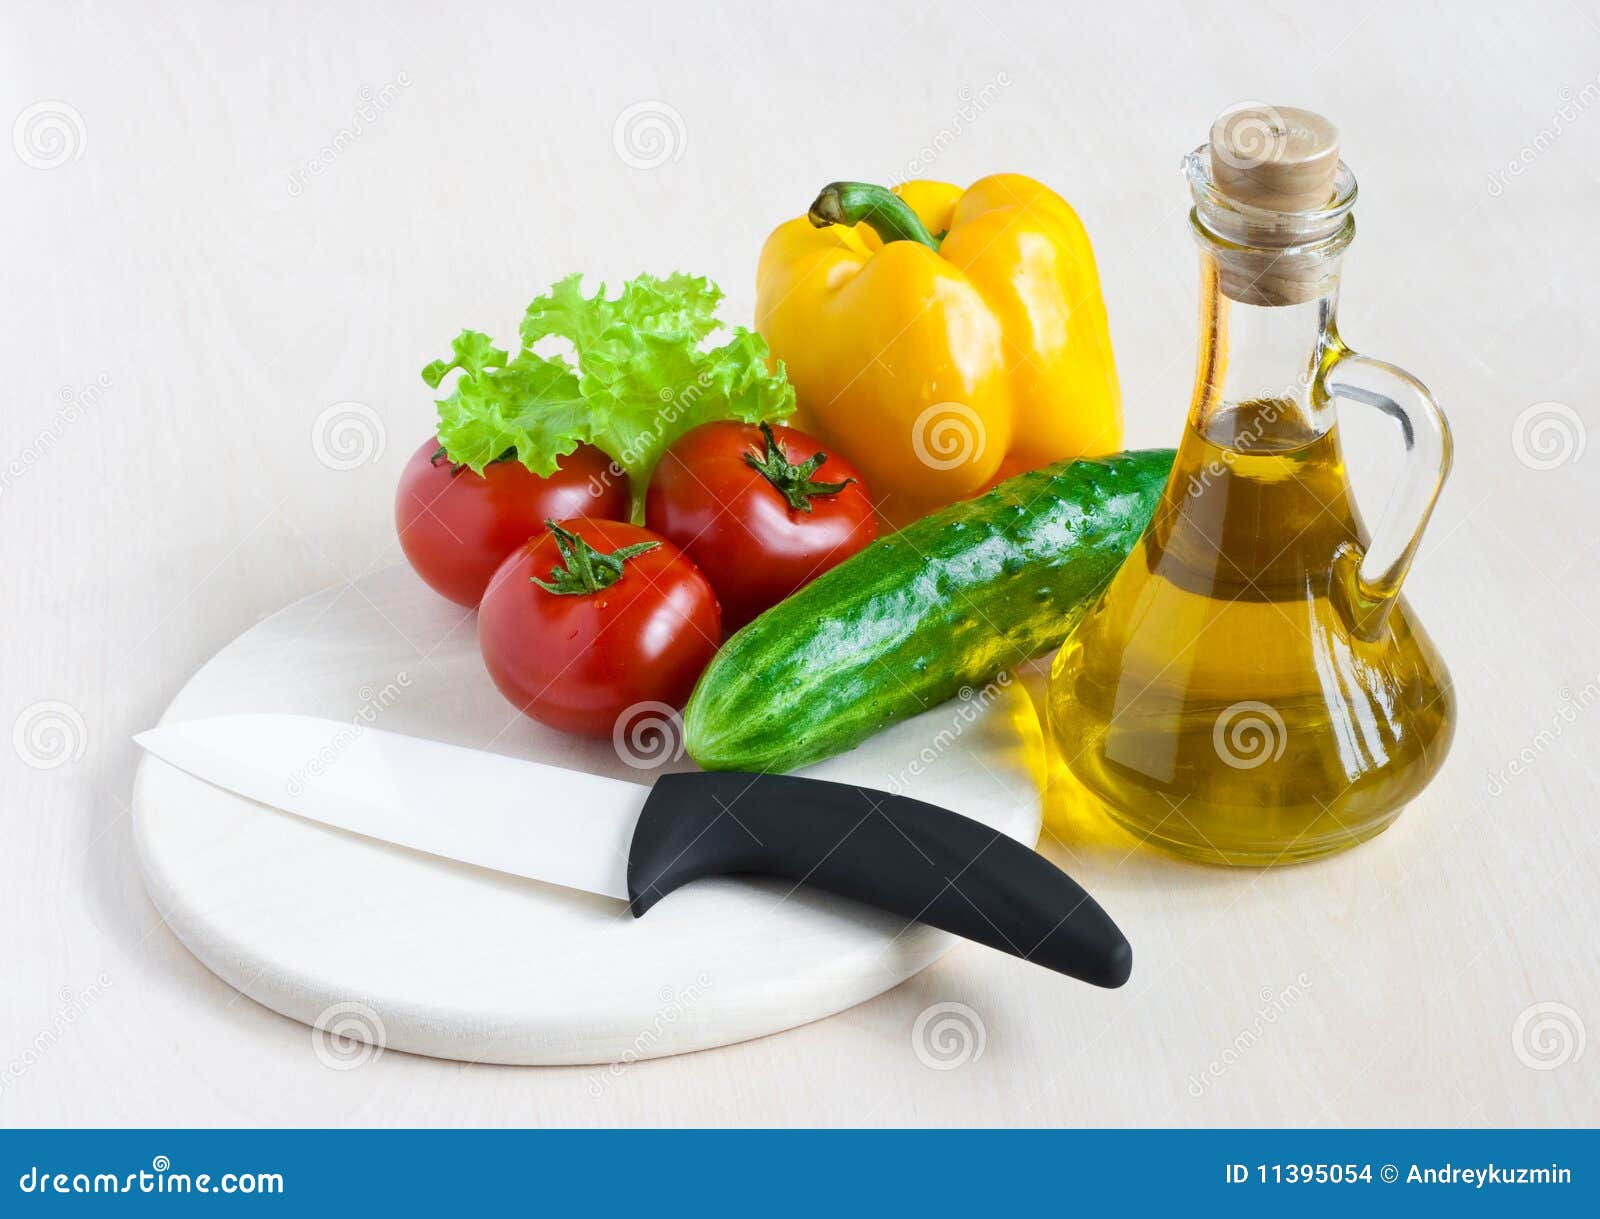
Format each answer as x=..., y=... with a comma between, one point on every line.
x=415, y=953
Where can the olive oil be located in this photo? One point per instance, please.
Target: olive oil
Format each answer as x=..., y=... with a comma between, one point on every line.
x=1250, y=687
x=1215, y=700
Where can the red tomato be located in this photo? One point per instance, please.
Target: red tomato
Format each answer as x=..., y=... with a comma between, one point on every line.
x=578, y=658
x=730, y=494
x=456, y=527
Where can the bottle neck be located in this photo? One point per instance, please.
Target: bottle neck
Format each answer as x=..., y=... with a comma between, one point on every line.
x=1269, y=289
x=1257, y=385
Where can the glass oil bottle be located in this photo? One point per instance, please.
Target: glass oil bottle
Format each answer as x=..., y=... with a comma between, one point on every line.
x=1251, y=688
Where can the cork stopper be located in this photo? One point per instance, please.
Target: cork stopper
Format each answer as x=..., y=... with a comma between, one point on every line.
x=1274, y=157
x=1271, y=192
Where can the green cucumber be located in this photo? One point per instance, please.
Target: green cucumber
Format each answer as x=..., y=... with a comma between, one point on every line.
x=947, y=602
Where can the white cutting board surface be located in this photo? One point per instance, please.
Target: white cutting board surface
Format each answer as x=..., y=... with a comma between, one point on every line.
x=415, y=953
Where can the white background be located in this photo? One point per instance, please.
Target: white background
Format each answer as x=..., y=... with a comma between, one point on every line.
x=183, y=300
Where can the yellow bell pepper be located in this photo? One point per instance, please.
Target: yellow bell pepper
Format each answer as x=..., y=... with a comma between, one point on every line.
x=938, y=364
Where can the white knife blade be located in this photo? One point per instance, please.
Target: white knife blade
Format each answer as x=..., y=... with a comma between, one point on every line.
x=507, y=814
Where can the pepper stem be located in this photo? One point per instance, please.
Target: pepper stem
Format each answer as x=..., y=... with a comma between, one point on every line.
x=585, y=569
x=889, y=215
x=793, y=482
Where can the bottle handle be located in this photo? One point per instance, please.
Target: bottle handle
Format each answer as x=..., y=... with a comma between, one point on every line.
x=1366, y=585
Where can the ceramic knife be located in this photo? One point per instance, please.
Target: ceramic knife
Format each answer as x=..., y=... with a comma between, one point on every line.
x=637, y=843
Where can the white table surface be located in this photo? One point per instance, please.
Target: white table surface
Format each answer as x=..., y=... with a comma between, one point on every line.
x=184, y=299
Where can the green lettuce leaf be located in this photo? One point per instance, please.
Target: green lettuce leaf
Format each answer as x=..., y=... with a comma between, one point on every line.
x=640, y=376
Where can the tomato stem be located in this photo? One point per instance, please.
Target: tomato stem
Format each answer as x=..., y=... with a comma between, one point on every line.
x=585, y=570
x=793, y=482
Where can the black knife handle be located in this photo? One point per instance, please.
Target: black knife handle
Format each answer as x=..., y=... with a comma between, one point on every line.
x=912, y=859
